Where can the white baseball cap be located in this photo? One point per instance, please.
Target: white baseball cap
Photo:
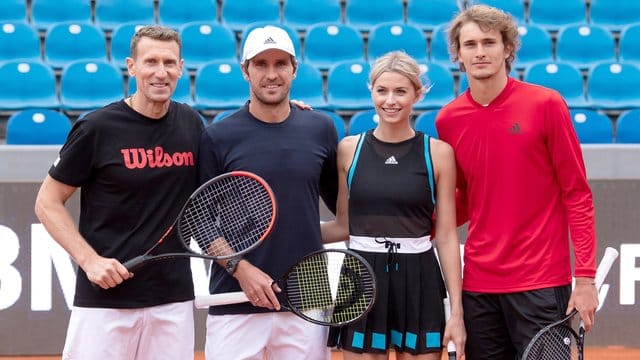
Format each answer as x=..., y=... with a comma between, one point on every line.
x=265, y=38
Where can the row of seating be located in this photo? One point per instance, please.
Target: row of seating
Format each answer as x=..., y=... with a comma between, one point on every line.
x=47, y=127
x=299, y=14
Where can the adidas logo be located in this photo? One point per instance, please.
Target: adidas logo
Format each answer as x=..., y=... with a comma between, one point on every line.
x=269, y=41
x=391, y=161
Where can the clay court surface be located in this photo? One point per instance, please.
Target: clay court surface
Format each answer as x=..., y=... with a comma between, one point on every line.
x=608, y=353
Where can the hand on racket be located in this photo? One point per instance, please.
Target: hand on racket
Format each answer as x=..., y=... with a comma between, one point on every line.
x=327, y=287
x=227, y=216
x=559, y=341
x=451, y=346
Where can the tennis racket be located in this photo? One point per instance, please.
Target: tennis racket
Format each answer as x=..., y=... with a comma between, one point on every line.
x=328, y=287
x=227, y=216
x=559, y=341
x=451, y=346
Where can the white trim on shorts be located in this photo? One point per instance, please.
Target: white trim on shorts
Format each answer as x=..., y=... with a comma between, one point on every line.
x=377, y=244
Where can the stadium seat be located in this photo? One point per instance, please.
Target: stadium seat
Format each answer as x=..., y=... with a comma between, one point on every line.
x=67, y=42
x=514, y=7
x=86, y=85
x=237, y=14
x=614, y=16
x=362, y=121
x=563, y=77
x=174, y=13
x=19, y=41
x=338, y=122
x=439, y=48
x=205, y=41
x=426, y=122
x=347, y=86
x=27, y=85
x=45, y=13
x=592, y=127
x=628, y=127
x=428, y=15
x=13, y=11
x=121, y=43
x=585, y=45
x=220, y=86
x=328, y=43
x=181, y=94
x=440, y=82
x=109, y=14
x=614, y=86
x=629, y=46
x=308, y=86
x=293, y=34
x=397, y=36
x=37, y=127
x=536, y=46
x=223, y=114
x=554, y=14
x=365, y=14
x=302, y=14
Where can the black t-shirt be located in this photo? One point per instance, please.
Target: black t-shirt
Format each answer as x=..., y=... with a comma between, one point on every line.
x=135, y=173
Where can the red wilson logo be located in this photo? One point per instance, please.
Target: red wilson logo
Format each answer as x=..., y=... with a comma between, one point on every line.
x=140, y=158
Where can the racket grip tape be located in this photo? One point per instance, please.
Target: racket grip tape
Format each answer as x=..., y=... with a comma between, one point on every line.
x=204, y=301
x=135, y=263
x=451, y=346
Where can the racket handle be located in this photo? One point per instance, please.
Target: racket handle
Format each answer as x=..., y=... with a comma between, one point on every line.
x=609, y=257
x=204, y=301
x=451, y=346
x=135, y=263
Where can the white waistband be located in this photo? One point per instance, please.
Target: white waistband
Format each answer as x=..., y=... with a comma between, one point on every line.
x=378, y=244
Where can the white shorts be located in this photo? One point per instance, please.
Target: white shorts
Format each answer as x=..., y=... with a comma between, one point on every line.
x=158, y=332
x=276, y=335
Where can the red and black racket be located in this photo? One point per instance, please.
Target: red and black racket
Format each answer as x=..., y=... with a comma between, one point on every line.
x=227, y=216
x=559, y=341
x=327, y=287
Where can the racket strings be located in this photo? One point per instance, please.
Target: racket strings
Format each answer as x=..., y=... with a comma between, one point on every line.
x=229, y=216
x=556, y=343
x=333, y=289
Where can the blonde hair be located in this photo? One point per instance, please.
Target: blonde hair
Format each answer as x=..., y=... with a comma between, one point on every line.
x=487, y=18
x=401, y=63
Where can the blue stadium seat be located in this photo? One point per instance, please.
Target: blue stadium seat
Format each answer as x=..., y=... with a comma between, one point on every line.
x=614, y=15
x=563, y=77
x=308, y=86
x=365, y=14
x=206, y=41
x=397, y=36
x=628, y=127
x=19, y=41
x=86, y=85
x=109, y=14
x=302, y=14
x=614, y=86
x=293, y=34
x=362, y=121
x=585, y=45
x=220, y=86
x=223, y=114
x=174, y=13
x=439, y=48
x=27, y=85
x=37, y=127
x=328, y=43
x=237, y=14
x=181, y=94
x=536, y=46
x=426, y=122
x=338, y=122
x=592, y=127
x=441, y=87
x=45, y=13
x=514, y=7
x=121, y=43
x=629, y=46
x=428, y=15
x=67, y=42
x=554, y=14
x=13, y=11
x=347, y=86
